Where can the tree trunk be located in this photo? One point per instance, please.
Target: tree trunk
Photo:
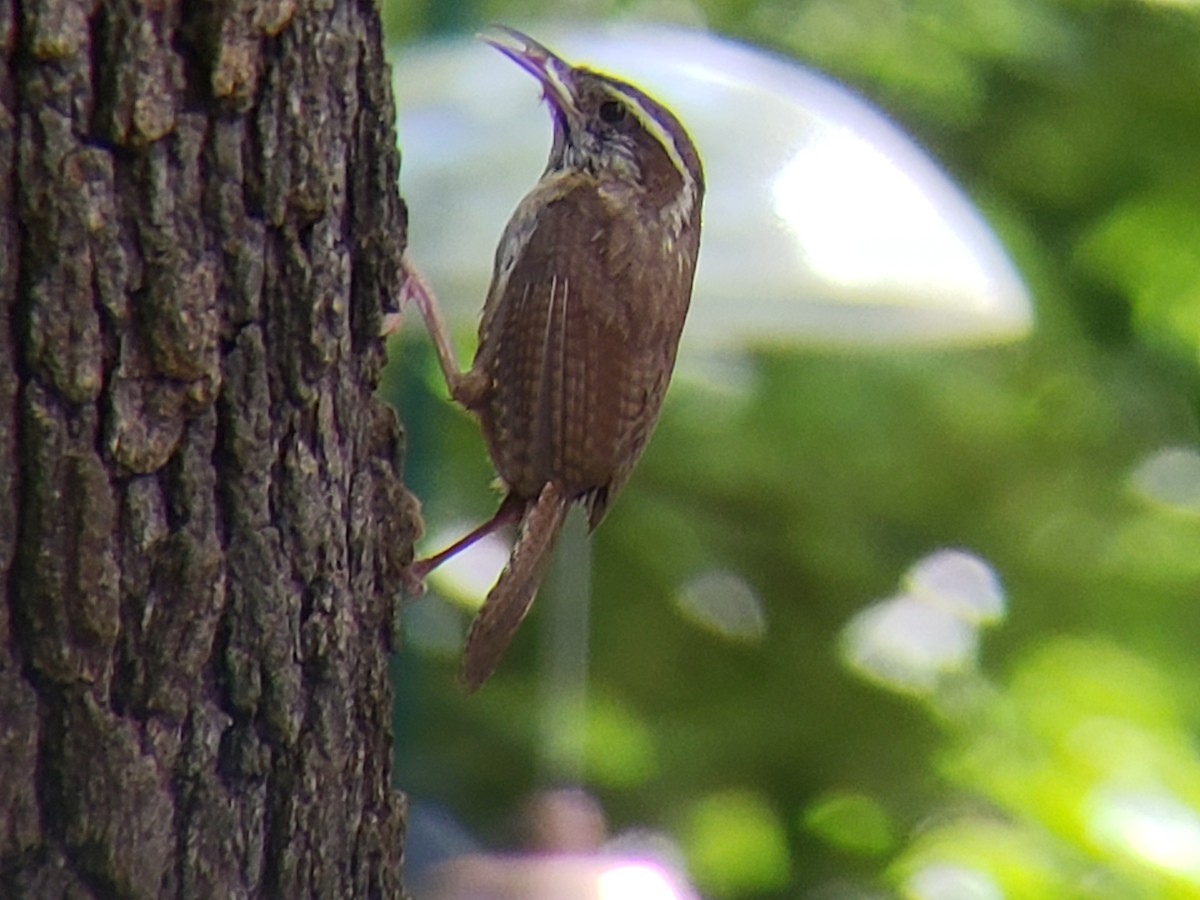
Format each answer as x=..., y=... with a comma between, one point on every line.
x=201, y=519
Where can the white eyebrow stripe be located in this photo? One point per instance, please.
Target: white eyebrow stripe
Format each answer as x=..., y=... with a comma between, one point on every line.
x=652, y=125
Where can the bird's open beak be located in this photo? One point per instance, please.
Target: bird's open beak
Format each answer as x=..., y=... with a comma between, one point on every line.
x=553, y=73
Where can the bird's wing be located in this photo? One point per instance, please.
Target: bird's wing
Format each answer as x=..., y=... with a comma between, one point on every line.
x=572, y=345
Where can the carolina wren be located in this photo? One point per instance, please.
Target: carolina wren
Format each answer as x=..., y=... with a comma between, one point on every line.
x=591, y=285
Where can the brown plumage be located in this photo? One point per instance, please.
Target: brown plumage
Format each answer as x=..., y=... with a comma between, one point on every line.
x=592, y=281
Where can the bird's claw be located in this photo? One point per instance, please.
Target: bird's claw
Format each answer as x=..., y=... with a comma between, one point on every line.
x=413, y=578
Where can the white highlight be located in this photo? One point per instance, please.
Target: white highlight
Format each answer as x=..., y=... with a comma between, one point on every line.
x=1170, y=478
x=911, y=641
x=635, y=881
x=469, y=575
x=950, y=881
x=1151, y=824
x=823, y=221
x=724, y=603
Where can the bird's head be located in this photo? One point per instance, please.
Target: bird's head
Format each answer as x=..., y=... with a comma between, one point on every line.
x=610, y=128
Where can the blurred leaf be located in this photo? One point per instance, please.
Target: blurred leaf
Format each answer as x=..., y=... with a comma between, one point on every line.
x=619, y=746
x=1147, y=249
x=735, y=844
x=850, y=821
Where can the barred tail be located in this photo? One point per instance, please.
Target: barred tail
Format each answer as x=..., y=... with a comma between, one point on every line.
x=511, y=598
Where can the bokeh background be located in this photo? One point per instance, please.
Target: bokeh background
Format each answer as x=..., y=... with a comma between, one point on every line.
x=755, y=693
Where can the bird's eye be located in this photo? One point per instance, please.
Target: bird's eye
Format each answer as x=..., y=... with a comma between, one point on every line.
x=612, y=112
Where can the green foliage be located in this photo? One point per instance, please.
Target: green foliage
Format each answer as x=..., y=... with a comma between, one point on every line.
x=1146, y=249
x=851, y=821
x=736, y=843
x=1062, y=764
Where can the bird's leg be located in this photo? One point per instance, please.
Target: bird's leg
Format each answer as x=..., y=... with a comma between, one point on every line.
x=465, y=387
x=417, y=289
x=510, y=511
x=468, y=388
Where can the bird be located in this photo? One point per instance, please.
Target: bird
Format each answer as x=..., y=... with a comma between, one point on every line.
x=591, y=284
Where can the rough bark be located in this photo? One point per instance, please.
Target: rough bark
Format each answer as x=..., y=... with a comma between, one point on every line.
x=201, y=519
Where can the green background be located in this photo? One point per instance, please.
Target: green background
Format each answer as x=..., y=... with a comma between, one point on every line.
x=1064, y=762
